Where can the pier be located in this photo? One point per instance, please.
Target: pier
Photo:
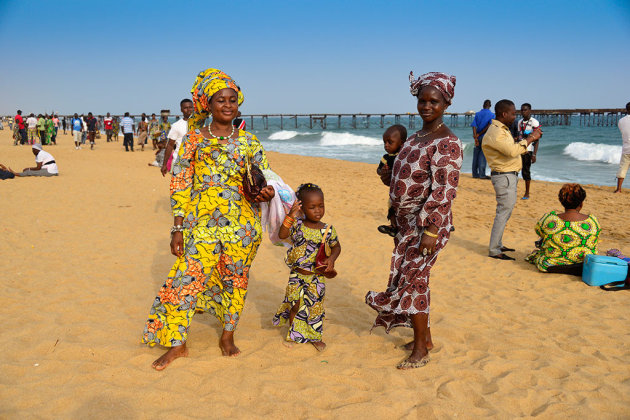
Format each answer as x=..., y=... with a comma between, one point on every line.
x=583, y=117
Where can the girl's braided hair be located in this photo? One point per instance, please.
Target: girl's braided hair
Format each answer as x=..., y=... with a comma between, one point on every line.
x=571, y=196
x=308, y=187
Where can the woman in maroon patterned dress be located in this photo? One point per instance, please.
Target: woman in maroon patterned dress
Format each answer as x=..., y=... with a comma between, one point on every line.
x=422, y=187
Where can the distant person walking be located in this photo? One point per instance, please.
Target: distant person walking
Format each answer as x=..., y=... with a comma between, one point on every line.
x=19, y=121
x=108, y=123
x=176, y=134
x=624, y=163
x=504, y=158
x=76, y=130
x=526, y=126
x=479, y=126
x=116, y=128
x=41, y=128
x=56, y=124
x=143, y=131
x=127, y=129
x=64, y=124
x=154, y=130
x=31, y=123
x=90, y=121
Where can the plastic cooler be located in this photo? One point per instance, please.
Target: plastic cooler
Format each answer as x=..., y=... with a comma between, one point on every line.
x=600, y=270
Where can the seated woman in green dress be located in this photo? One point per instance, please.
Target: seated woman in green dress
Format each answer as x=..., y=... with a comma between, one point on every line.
x=566, y=238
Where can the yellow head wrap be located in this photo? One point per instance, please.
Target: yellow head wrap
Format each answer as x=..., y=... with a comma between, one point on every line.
x=207, y=83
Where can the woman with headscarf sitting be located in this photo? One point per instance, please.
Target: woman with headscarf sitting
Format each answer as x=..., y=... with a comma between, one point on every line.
x=566, y=238
x=422, y=187
x=217, y=230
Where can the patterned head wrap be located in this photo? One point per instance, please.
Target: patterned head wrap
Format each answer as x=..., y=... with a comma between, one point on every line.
x=207, y=83
x=441, y=81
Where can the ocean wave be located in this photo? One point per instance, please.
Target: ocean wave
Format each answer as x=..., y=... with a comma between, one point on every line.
x=286, y=135
x=344, y=139
x=606, y=153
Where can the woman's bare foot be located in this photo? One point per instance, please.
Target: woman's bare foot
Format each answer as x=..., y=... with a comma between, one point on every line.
x=319, y=345
x=173, y=353
x=227, y=346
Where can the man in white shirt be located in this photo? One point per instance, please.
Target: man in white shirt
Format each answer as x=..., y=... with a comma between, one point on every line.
x=176, y=134
x=31, y=122
x=624, y=163
x=46, y=165
x=526, y=126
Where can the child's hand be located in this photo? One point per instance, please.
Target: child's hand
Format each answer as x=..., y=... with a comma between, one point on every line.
x=330, y=265
x=295, y=209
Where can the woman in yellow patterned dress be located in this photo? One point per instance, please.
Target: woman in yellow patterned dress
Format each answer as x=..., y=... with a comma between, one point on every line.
x=566, y=238
x=217, y=230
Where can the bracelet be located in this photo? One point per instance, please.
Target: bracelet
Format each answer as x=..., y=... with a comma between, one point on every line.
x=431, y=234
x=177, y=228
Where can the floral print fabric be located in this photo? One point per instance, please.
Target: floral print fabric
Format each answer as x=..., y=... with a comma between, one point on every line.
x=222, y=234
x=423, y=185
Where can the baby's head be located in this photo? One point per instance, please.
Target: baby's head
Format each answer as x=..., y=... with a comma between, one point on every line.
x=312, y=198
x=394, y=137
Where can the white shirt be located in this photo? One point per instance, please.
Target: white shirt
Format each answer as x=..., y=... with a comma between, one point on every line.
x=31, y=122
x=44, y=157
x=525, y=128
x=624, y=127
x=178, y=130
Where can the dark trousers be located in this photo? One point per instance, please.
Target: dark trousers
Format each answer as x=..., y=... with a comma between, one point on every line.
x=23, y=136
x=478, y=163
x=128, y=141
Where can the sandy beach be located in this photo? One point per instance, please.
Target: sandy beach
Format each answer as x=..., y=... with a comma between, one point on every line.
x=83, y=256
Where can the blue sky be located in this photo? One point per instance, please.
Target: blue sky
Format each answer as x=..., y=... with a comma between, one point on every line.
x=311, y=56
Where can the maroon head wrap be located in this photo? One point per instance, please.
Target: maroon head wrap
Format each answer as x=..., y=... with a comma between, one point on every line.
x=441, y=81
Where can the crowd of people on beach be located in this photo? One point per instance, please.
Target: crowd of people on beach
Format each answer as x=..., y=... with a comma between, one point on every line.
x=224, y=194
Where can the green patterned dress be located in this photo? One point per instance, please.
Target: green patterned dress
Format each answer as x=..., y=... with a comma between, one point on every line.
x=564, y=242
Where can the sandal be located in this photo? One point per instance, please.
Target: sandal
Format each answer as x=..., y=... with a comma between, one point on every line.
x=406, y=364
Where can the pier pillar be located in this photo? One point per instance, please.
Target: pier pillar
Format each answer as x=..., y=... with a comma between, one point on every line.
x=281, y=123
x=382, y=120
x=338, y=121
x=251, y=125
x=310, y=121
x=354, y=121
x=397, y=118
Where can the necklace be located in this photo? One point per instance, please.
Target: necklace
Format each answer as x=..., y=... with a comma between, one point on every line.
x=426, y=134
x=221, y=137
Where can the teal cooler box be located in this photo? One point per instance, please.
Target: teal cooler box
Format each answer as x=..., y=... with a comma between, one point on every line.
x=600, y=270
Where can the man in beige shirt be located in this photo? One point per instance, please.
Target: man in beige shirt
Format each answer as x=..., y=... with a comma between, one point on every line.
x=504, y=158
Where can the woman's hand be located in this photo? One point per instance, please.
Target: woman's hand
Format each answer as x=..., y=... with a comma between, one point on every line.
x=427, y=243
x=177, y=244
x=266, y=194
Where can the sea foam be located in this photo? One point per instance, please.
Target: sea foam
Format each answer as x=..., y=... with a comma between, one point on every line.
x=286, y=135
x=344, y=139
x=606, y=153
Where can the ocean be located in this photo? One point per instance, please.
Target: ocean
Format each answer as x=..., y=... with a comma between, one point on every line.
x=587, y=155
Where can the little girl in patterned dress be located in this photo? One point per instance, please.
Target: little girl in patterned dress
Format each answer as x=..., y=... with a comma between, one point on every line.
x=303, y=305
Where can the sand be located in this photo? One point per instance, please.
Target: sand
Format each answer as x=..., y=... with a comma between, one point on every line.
x=83, y=256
